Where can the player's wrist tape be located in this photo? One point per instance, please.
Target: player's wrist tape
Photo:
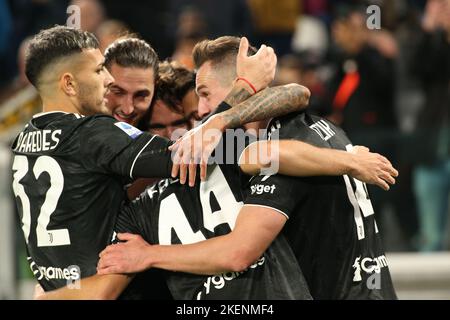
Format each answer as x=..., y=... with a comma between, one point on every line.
x=248, y=82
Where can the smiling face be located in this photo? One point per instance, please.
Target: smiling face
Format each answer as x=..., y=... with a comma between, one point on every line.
x=131, y=93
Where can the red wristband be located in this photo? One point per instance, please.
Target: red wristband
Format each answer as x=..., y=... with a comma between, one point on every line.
x=248, y=82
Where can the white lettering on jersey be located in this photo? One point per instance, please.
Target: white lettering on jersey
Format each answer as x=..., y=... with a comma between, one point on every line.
x=216, y=185
x=219, y=281
x=72, y=272
x=261, y=188
x=38, y=141
x=172, y=216
x=359, y=198
x=323, y=129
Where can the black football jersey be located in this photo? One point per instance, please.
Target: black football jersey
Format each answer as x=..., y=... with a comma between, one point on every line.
x=331, y=225
x=69, y=171
x=171, y=213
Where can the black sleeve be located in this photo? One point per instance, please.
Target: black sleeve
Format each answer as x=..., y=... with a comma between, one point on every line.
x=116, y=147
x=140, y=216
x=154, y=160
x=279, y=192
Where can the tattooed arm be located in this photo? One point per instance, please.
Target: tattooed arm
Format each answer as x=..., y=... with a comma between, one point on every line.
x=198, y=144
x=239, y=93
x=268, y=103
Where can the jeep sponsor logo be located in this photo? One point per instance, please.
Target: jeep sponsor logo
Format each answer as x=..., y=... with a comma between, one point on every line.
x=261, y=188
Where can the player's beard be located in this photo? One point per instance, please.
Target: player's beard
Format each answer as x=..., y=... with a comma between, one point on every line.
x=90, y=101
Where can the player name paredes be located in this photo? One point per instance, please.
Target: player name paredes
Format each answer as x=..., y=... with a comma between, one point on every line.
x=37, y=141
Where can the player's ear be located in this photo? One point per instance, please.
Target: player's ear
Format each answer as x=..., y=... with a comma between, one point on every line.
x=68, y=84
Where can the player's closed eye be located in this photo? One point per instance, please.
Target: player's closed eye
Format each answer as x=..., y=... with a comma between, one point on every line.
x=100, y=70
x=204, y=94
x=117, y=92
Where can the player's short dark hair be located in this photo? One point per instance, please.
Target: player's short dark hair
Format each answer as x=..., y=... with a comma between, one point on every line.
x=53, y=44
x=222, y=50
x=174, y=82
x=132, y=52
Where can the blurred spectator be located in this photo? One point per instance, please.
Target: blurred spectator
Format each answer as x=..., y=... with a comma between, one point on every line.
x=5, y=26
x=109, y=31
x=19, y=101
x=28, y=17
x=310, y=35
x=289, y=70
x=8, y=229
x=362, y=88
x=151, y=20
x=432, y=143
x=191, y=29
x=409, y=99
x=20, y=81
x=275, y=22
x=231, y=17
x=304, y=69
x=363, y=83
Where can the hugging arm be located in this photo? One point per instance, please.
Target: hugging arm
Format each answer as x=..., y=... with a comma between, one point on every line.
x=297, y=158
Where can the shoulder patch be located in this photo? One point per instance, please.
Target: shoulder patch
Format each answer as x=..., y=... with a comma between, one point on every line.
x=133, y=132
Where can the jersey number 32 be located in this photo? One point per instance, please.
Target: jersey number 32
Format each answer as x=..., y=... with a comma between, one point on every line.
x=45, y=237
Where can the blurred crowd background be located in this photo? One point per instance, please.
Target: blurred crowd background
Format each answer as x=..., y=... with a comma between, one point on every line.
x=388, y=88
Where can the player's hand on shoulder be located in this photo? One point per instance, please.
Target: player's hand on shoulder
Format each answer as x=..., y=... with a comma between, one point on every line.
x=373, y=168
